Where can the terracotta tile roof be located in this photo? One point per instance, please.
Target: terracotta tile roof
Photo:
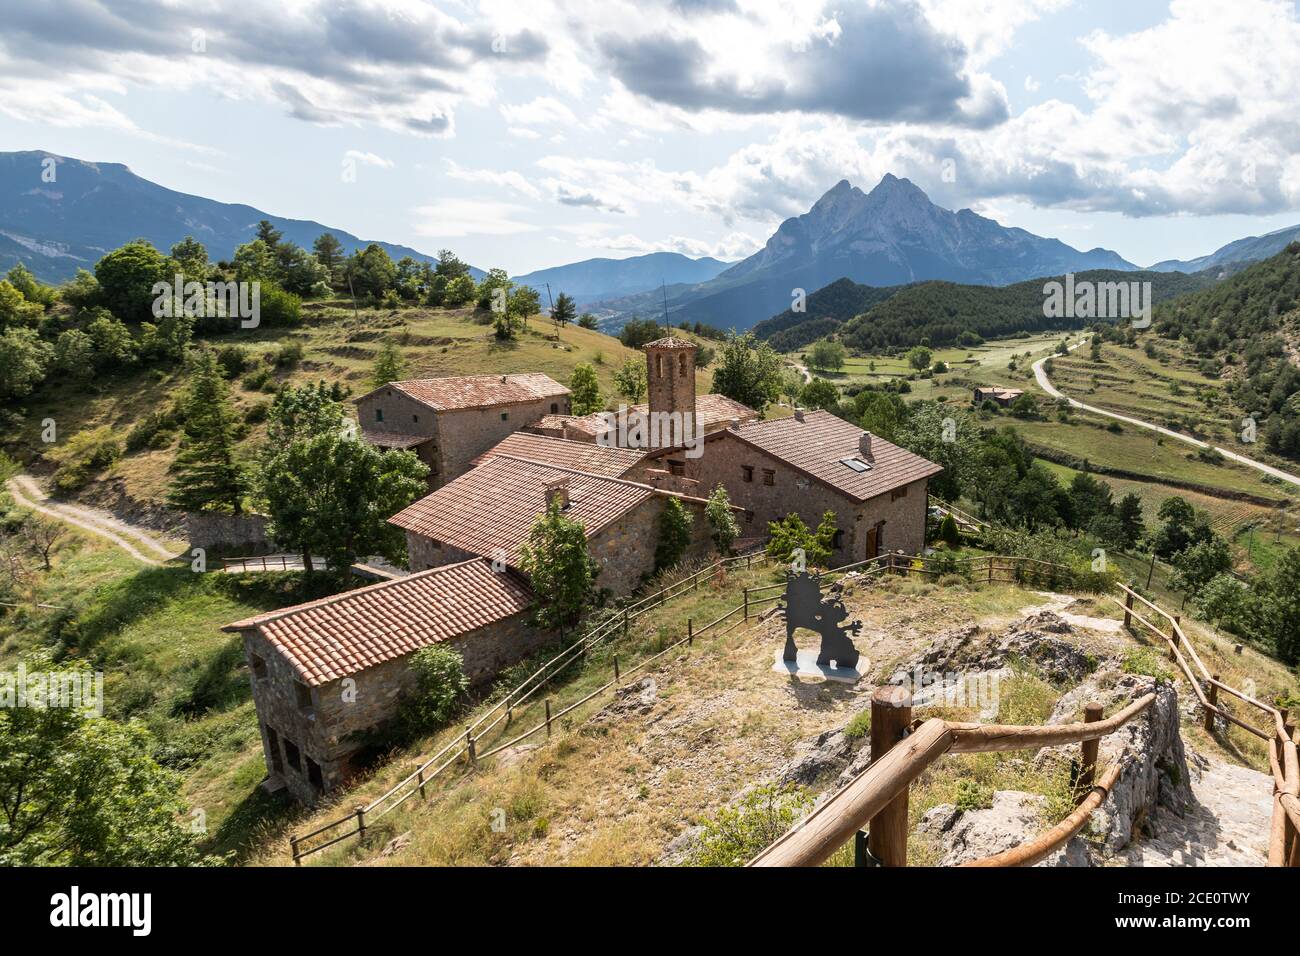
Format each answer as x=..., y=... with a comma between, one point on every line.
x=591, y=425
x=479, y=391
x=393, y=439
x=997, y=391
x=713, y=410
x=818, y=444
x=345, y=633
x=578, y=455
x=670, y=342
x=491, y=508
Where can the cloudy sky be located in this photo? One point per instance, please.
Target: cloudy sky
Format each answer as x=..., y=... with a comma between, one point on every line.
x=527, y=133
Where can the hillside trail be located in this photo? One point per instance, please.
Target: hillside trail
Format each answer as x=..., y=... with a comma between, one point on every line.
x=1226, y=825
x=136, y=542
x=1046, y=385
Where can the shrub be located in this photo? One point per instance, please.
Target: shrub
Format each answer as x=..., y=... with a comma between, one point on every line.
x=737, y=833
x=85, y=453
x=972, y=795
x=155, y=430
x=859, y=726
x=1145, y=661
x=948, y=532
x=440, y=686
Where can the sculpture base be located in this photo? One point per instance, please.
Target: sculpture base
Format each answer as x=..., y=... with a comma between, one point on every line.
x=805, y=665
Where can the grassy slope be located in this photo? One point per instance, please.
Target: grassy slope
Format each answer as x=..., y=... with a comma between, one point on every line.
x=155, y=634
x=616, y=790
x=336, y=347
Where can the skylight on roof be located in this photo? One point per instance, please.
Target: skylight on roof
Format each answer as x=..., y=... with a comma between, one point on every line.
x=857, y=464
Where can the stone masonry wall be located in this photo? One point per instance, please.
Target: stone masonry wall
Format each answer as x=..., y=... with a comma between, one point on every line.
x=723, y=462
x=342, y=710
x=464, y=434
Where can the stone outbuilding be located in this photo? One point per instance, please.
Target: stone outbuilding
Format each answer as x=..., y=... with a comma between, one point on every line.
x=995, y=393
x=808, y=464
x=490, y=511
x=329, y=672
x=447, y=422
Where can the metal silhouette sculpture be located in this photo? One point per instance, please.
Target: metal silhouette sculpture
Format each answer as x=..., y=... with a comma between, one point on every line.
x=805, y=607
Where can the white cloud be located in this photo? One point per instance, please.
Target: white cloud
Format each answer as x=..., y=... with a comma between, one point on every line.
x=369, y=159
x=1031, y=85
x=543, y=111
x=509, y=179
x=470, y=217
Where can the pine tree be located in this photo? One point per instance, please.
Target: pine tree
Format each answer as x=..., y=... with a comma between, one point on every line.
x=564, y=310
x=389, y=366
x=208, y=476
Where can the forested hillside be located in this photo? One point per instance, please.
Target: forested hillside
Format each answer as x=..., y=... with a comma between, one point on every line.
x=1250, y=320
x=825, y=311
x=946, y=313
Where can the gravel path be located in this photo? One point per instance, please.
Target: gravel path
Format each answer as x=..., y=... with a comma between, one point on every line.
x=1046, y=385
x=135, y=542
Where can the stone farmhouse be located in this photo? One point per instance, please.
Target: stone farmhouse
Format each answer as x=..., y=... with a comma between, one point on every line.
x=995, y=393
x=490, y=511
x=502, y=447
x=812, y=463
x=326, y=673
x=447, y=422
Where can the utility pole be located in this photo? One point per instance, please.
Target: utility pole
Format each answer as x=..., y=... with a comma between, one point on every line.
x=1151, y=570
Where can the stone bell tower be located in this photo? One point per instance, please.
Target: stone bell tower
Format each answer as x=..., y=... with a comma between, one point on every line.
x=670, y=375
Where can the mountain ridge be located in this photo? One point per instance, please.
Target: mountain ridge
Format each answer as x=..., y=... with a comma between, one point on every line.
x=891, y=236
x=91, y=208
x=601, y=278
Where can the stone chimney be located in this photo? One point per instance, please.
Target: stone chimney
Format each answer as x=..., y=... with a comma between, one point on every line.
x=558, y=491
x=864, y=446
x=798, y=414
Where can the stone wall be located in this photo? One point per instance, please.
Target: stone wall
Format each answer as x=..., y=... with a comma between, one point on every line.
x=625, y=549
x=900, y=522
x=464, y=434
x=403, y=415
x=220, y=532
x=329, y=731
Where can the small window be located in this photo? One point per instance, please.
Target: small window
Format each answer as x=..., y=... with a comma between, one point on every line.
x=555, y=408
x=681, y=365
x=415, y=418
x=837, y=542
x=505, y=416
x=258, y=663
x=898, y=493
x=303, y=695
x=769, y=476
x=747, y=471
x=749, y=517
x=313, y=774
x=857, y=464
x=379, y=414
x=676, y=467
x=659, y=366
x=273, y=742
x=292, y=755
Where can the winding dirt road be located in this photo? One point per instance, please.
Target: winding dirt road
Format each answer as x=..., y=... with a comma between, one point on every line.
x=1046, y=385
x=138, y=544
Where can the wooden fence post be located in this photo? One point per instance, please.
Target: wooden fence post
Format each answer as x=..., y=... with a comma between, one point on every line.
x=293, y=848
x=625, y=622
x=616, y=676
x=548, y=718
x=990, y=561
x=421, y=779
x=1128, y=610
x=1088, y=750
x=1213, y=695
x=361, y=824
x=690, y=633
x=746, y=604
x=891, y=713
x=469, y=743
